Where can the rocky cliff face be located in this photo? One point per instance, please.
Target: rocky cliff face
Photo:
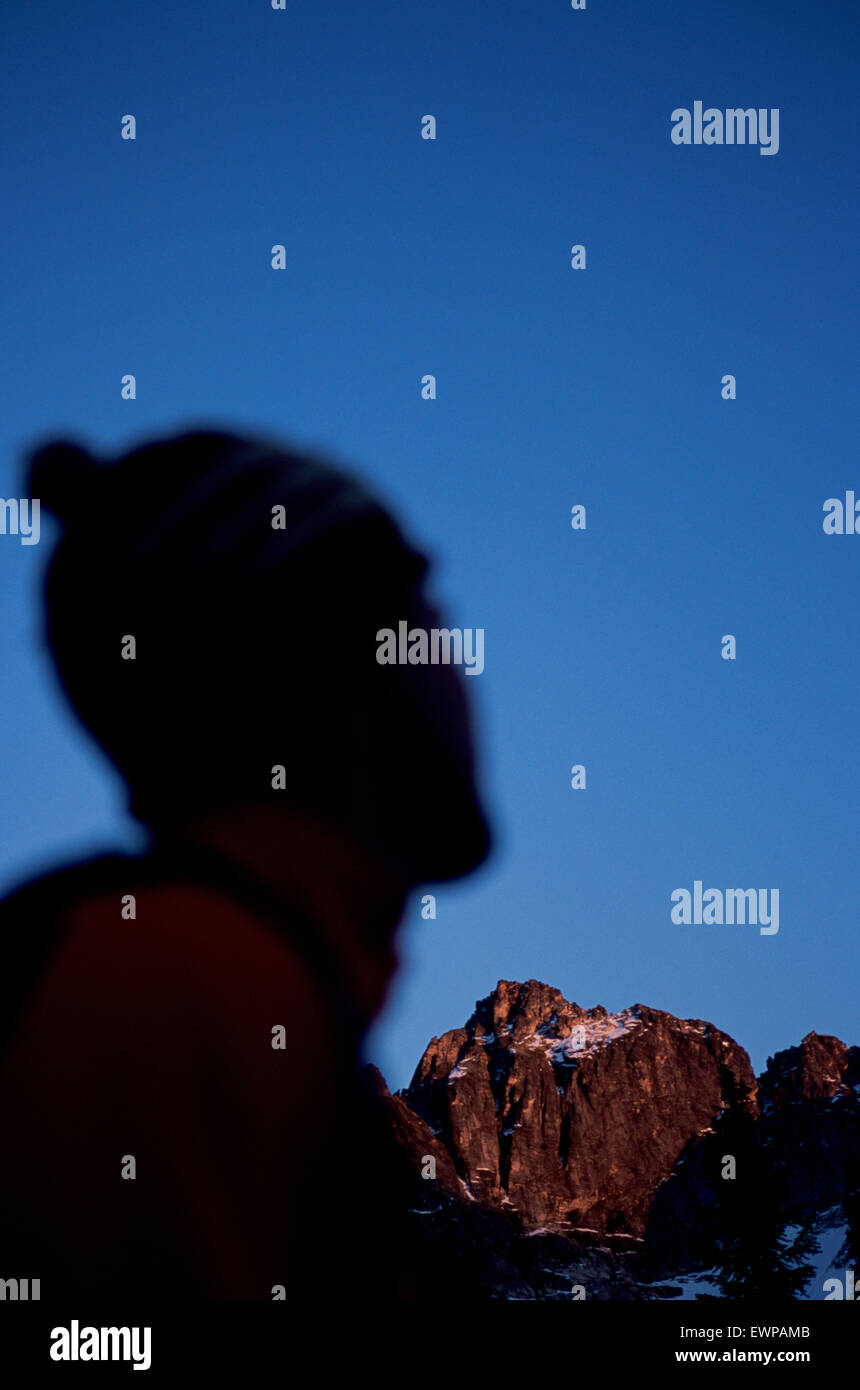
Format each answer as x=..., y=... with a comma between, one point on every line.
x=806, y=1139
x=571, y=1116
x=597, y=1136
x=810, y=1115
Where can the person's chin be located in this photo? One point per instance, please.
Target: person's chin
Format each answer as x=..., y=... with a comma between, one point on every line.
x=452, y=841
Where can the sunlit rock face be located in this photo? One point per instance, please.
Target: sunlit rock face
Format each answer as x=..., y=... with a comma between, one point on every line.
x=571, y=1117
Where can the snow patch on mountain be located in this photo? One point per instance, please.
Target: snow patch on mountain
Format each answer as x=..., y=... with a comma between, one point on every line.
x=587, y=1037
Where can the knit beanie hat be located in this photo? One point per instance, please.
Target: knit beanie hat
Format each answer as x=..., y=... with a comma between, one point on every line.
x=212, y=606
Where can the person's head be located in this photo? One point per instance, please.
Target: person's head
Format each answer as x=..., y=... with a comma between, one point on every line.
x=212, y=609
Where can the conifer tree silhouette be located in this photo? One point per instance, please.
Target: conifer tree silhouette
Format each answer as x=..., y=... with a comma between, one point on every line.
x=761, y=1254
x=850, y=1251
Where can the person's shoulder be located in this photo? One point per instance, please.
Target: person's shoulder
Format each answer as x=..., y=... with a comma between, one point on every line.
x=124, y=937
x=33, y=924
x=117, y=886
x=68, y=883
x=106, y=895
x=165, y=927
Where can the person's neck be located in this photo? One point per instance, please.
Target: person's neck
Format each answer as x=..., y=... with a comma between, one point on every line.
x=323, y=872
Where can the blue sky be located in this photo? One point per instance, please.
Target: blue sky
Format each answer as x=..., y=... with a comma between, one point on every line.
x=555, y=387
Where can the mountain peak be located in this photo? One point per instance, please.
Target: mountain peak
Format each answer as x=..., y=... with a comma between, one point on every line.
x=521, y=1009
x=819, y=1068
x=588, y=1127
x=536, y=1097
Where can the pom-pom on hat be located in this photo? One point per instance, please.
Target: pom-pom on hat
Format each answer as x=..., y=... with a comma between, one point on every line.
x=62, y=474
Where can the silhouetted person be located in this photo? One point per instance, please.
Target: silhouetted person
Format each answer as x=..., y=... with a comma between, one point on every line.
x=212, y=610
